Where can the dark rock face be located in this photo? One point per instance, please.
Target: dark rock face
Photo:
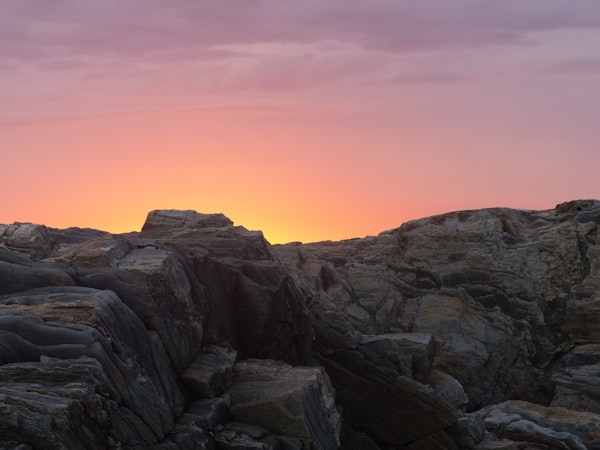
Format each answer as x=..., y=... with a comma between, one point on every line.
x=106, y=340
x=473, y=329
x=293, y=401
x=77, y=361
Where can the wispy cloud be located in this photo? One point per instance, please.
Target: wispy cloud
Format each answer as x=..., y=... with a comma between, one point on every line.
x=158, y=29
x=49, y=49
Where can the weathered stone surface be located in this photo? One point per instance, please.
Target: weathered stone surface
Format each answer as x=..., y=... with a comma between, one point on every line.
x=79, y=368
x=374, y=377
x=290, y=401
x=211, y=372
x=504, y=294
x=161, y=219
x=195, y=428
x=19, y=272
x=106, y=339
x=577, y=378
x=192, y=279
x=149, y=304
x=548, y=427
x=240, y=435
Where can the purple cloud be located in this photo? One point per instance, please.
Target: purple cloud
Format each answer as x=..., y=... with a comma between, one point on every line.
x=158, y=29
x=116, y=47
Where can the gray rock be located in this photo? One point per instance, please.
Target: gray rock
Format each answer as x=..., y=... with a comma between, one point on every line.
x=211, y=372
x=452, y=313
x=554, y=427
x=449, y=388
x=503, y=293
x=19, y=272
x=290, y=401
x=577, y=378
x=79, y=369
x=165, y=219
x=27, y=238
x=232, y=440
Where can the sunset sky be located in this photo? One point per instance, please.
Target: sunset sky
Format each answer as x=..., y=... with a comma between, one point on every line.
x=306, y=119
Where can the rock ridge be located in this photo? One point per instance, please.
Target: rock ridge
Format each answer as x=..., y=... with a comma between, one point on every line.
x=467, y=330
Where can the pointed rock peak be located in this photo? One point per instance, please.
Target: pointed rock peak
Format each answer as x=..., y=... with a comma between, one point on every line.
x=172, y=218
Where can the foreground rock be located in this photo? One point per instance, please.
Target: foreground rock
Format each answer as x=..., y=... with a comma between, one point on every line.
x=80, y=369
x=106, y=340
x=546, y=427
x=508, y=297
x=296, y=402
x=473, y=329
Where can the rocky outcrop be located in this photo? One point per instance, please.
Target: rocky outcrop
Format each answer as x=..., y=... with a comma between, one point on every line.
x=289, y=401
x=508, y=297
x=544, y=427
x=473, y=329
x=110, y=341
x=79, y=369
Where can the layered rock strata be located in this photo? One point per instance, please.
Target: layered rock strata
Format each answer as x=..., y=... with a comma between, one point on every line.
x=473, y=329
x=508, y=297
x=110, y=341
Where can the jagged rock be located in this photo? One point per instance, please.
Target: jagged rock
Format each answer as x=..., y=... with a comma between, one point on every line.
x=552, y=427
x=577, y=378
x=196, y=280
x=19, y=272
x=409, y=354
x=196, y=426
x=443, y=315
x=180, y=286
x=79, y=369
x=27, y=238
x=352, y=439
x=239, y=435
x=161, y=219
x=374, y=377
x=232, y=440
x=504, y=293
x=211, y=372
x=448, y=387
x=290, y=401
x=283, y=442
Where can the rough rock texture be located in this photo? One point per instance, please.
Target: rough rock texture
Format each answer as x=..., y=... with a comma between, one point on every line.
x=473, y=329
x=290, y=401
x=546, y=427
x=77, y=363
x=510, y=299
x=210, y=373
x=105, y=340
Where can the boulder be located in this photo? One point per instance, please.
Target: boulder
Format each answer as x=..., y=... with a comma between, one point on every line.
x=545, y=427
x=211, y=372
x=289, y=401
x=27, y=238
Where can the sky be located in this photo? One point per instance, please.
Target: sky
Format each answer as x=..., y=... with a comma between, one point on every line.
x=309, y=120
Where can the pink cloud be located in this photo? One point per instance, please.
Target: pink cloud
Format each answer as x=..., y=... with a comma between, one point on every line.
x=579, y=66
x=107, y=51
x=156, y=29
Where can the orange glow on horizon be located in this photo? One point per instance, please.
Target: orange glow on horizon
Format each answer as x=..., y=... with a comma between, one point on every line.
x=325, y=129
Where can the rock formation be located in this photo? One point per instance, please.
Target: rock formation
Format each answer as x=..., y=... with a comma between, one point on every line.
x=473, y=329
